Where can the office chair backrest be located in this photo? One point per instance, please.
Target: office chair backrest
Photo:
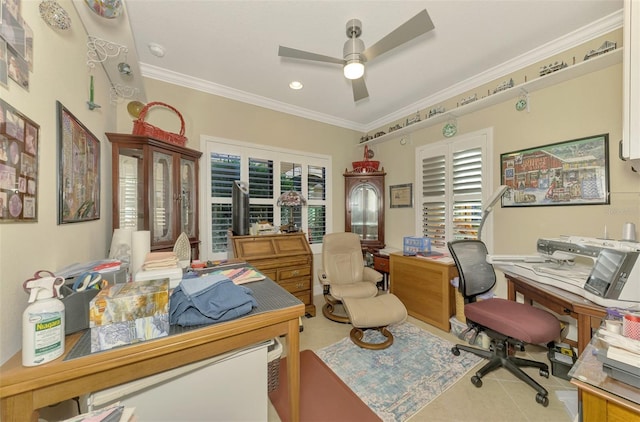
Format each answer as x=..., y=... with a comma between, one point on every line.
x=475, y=273
x=342, y=259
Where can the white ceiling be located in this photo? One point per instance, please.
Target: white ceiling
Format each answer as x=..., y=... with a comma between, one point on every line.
x=230, y=48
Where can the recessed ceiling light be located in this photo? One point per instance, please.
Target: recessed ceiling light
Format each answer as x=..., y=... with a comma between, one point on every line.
x=156, y=49
x=296, y=85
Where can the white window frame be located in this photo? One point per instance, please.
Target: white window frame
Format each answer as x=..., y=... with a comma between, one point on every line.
x=210, y=144
x=483, y=139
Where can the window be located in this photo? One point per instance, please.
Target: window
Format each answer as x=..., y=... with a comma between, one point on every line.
x=450, y=180
x=269, y=172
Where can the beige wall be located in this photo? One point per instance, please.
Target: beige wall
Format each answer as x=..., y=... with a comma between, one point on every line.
x=585, y=106
x=60, y=73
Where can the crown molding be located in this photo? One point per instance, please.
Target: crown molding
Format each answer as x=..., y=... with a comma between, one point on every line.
x=180, y=79
x=573, y=39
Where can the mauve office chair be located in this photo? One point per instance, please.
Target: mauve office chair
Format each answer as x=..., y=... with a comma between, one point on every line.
x=506, y=322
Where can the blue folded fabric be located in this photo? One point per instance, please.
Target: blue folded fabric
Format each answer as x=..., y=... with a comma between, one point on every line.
x=209, y=299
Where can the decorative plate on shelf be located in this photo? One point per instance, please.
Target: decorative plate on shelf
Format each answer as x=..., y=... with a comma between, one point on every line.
x=521, y=104
x=449, y=130
x=108, y=9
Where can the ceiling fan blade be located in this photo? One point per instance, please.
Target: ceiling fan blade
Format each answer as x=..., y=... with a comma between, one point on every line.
x=360, y=91
x=414, y=27
x=305, y=55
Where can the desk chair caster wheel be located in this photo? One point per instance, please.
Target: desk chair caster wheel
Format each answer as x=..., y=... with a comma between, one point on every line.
x=543, y=400
x=477, y=381
x=455, y=351
x=544, y=373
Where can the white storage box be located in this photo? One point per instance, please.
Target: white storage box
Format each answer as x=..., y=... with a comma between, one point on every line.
x=173, y=274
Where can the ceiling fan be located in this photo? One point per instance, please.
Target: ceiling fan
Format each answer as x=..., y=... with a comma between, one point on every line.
x=355, y=55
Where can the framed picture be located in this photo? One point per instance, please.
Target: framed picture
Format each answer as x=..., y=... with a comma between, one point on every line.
x=574, y=172
x=401, y=196
x=78, y=170
x=18, y=166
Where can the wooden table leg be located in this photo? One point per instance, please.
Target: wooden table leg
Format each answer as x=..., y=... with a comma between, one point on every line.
x=293, y=369
x=511, y=290
x=18, y=408
x=584, y=331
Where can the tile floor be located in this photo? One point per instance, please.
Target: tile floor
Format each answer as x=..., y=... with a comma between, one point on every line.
x=502, y=397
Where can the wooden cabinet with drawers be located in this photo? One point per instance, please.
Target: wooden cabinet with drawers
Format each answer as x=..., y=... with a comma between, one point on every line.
x=284, y=258
x=424, y=286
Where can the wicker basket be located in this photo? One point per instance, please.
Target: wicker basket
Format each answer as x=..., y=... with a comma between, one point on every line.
x=273, y=366
x=140, y=127
x=365, y=166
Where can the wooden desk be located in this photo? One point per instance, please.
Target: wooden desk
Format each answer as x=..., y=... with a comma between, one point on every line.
x=24, y=390
x=424, y=287
x=587, y=314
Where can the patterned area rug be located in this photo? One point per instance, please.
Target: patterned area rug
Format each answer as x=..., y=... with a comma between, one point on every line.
x=398, y=381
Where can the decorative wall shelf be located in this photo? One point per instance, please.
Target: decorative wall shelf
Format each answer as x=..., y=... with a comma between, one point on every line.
x=574, y=71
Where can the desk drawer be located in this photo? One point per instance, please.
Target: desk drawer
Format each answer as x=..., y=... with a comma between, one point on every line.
x=381, y=264
x=294, y=272
x=293, y=286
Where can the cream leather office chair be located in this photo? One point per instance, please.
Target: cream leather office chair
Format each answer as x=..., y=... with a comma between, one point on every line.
x=507, y=323
x=344, y=273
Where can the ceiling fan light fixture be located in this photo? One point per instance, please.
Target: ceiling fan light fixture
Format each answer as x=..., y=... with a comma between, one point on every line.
x=353, y=69
x=295, y=85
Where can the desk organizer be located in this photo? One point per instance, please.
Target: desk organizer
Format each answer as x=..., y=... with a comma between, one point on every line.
x=76, y=307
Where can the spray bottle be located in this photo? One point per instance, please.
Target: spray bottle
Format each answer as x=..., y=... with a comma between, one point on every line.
x=43, y=320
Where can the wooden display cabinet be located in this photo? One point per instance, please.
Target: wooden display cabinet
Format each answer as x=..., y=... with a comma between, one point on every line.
x=155, y=188
x=284, y=258
x=364, y=207
x=424, y=286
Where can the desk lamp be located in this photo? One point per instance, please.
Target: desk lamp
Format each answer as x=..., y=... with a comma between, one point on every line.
x=291, y=199
x=497, y=195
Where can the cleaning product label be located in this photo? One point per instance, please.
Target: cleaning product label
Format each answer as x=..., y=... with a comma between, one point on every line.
x=47, y=335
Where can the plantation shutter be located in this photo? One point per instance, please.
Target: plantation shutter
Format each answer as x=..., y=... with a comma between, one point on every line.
x=317, y=213
x=225, y=169
x=467, y=193
x=433, y=199
x=450, y=179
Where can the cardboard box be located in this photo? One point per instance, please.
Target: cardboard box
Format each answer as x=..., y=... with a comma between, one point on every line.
x=107, y=337
x=128, y=313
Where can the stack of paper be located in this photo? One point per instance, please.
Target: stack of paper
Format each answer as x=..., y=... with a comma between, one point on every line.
x=241, y=275
x=625, y=356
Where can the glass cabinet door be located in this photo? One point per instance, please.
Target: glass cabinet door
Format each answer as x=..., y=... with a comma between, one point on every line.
x=131, y=188
x=162, y=198
x=364, y=211
x=187, y=197
x=365, y=207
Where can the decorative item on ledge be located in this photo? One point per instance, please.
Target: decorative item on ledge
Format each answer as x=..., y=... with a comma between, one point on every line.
x=140, y=127
x=291, y=199
x=366, y=166
x=54, y=15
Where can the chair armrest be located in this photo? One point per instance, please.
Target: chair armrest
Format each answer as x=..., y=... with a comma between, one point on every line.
x=371, y=275
x=323, y=278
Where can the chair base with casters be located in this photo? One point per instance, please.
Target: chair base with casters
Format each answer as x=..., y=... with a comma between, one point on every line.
x=374, y=313
x=532, y=325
